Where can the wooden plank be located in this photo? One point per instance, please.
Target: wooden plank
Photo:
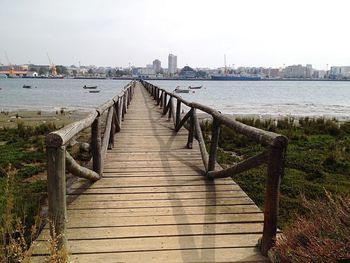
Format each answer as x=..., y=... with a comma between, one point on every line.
x=249, y=255
x=158, y=231
x=161, y=196
x=167, y=211
x=163, y=203
x=158, y=243
x=79, y=188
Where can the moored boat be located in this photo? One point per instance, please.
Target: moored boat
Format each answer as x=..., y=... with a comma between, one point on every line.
x=194, y=87
x=89, y=87
x=180, y=90
x=94, y=91
x=27, y=87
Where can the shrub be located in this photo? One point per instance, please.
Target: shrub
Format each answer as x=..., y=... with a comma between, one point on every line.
x=322, y=236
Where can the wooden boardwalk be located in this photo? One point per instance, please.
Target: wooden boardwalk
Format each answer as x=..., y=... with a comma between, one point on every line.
x=153, y=203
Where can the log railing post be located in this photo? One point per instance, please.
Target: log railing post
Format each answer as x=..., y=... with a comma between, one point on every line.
x=178, y=112
x=124, y=106
x=117, y=120
x=96, y=146
x=165, y=104
x=170, y=107
x=191, y=130
x=56, y=182
x=120, y=110
x=159, y=97
x=113, y=128
x=160, y=103
x=215, y=132
x=271, y=206
x=129, y=97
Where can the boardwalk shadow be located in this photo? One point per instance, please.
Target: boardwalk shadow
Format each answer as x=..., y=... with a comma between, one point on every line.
x=194, y=240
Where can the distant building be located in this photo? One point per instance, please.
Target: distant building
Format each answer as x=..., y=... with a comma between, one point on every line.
x=144, y=72
x=309, y=71
x=172, y=64
x=157, y=66
x=298, y=71
x=188, y=72
x=342, y=72
x=319, y=74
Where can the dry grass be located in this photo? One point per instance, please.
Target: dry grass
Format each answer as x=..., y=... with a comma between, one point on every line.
x=15, y=238
x=322, y=236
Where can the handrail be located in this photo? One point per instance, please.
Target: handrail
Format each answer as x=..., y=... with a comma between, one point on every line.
x=58, y=159
x=274, y=156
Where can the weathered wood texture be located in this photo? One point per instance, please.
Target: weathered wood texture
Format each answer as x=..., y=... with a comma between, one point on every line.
x=274, y=156
x=153, y=203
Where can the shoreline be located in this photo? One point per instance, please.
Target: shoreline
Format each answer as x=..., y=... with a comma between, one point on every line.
x=185, y=79
x=10, y=119
x=64, y=116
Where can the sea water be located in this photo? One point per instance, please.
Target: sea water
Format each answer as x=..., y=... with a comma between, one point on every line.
x=260, y=98
x=270, y=98
x=53, y=94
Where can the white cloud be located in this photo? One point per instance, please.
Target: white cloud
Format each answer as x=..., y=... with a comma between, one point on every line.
x=255, y=32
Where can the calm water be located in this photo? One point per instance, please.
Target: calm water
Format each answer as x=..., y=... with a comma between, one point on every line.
x=271, y=98
x=50, y=94
x=264, y=98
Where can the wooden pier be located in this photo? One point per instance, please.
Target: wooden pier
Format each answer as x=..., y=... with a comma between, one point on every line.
x=154, y=198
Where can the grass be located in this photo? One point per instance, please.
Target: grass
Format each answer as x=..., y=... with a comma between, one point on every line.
x=23, y=182
x=322, y=236
x=318, y=159
x=22, y=149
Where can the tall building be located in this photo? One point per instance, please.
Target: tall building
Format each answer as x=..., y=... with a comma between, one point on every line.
x=298, y=71
x=172, y=64
x=157, y=65
x=342, y=72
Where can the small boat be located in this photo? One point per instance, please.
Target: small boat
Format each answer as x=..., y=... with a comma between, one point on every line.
x=89, y=87
x=94, y=91
x=194, y=87
x=27, y=87
x=179, y=90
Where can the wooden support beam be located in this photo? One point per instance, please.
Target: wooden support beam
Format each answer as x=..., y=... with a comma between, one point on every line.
x=165, y=105
x=178, y=113
x=240, y=167
x=170, y=107
x=124, y=106
x=173, y=111
x=183, y=121
x=117, y=116
x=106, y=134
x=160, y=102
x=215, y=133
x=112, y=130
x=80, y=171
x=56, y=187
x=96, y=146
x=201, y=141
x=275, y=171
x=191, y=130
x=120, y=109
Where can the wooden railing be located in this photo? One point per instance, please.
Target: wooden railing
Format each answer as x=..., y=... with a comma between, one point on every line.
x=274, y=156
x=58, y=159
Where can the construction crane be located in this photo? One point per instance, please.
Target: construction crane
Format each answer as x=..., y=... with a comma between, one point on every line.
x=52, y=69
x=12, y=69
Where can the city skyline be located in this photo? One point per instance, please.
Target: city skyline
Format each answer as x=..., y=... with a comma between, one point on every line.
x=267, y=33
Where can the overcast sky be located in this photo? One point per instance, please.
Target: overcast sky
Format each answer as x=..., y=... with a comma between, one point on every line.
x=116, y=33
